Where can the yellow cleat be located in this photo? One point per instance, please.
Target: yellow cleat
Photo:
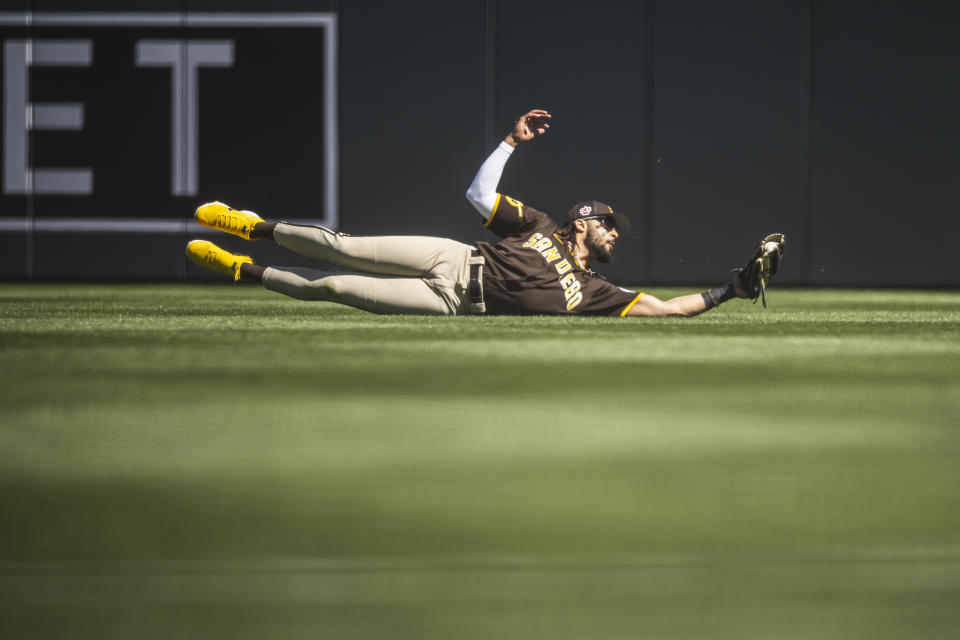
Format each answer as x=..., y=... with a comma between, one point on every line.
x=209, y=256
x=217, y=215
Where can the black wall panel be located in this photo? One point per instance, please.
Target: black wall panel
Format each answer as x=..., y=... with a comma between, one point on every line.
x=14, y=245
x=726, y=135
x=412, y=115
x=885, y=140
x=104, y=256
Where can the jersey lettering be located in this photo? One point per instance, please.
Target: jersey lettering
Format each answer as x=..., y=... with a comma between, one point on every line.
x=551, y=254
x=532, y=240
x=571, y=286
x=542, y=246
x=572, y=289
x=521, y=281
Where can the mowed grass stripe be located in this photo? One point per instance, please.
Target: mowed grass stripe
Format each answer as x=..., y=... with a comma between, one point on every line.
x=788, y=472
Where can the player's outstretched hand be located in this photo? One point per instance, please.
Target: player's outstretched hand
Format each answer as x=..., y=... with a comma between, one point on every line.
x=530, y=125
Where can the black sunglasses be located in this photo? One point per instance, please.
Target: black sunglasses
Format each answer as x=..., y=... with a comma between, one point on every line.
x=606, y=221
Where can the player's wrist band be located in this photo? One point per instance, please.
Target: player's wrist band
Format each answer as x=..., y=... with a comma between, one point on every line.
x=713, y=297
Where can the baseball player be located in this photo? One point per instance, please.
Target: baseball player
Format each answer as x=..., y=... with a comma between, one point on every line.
x=537, y=268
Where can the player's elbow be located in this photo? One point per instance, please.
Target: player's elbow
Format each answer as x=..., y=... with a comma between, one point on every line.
x=477, y=197
x=472, y=195
x=482, y=202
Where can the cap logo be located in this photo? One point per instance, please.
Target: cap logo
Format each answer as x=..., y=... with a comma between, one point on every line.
x=585, y=210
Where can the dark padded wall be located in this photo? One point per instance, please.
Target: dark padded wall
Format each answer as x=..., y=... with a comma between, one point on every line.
x=709, y=123
x=412, y=115
x=885, y=140
x=726, y=135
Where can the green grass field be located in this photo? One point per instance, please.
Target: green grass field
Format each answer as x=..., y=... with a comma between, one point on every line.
x=222, y=462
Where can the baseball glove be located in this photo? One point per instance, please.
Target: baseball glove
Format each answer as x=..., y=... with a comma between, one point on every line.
x=760, y=268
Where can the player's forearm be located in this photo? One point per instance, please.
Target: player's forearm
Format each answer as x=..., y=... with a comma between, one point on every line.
x=696, y=303
x=685, y=306
x=482, y=193
x=688, y=305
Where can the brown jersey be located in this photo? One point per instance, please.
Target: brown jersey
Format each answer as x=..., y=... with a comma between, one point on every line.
x=532, y=272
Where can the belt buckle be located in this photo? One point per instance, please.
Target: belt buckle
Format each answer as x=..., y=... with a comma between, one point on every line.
x=475, y=285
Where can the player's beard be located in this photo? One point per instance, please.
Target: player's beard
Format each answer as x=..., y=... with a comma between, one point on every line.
x=597, y=243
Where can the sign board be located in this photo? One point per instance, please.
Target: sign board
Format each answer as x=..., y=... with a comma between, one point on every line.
x=128, y=121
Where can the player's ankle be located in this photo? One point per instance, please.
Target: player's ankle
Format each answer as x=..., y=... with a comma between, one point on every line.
x=252, y=272
x=262, y=230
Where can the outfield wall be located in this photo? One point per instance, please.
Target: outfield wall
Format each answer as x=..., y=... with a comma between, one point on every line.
x=709, y=123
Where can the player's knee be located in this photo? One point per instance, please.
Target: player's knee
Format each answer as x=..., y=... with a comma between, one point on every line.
x=327, y=289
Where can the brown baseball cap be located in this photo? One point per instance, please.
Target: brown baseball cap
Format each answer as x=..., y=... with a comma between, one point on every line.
x=594, y=210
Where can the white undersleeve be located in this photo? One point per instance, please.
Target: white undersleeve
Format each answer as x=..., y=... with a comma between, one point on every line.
x=482, y=193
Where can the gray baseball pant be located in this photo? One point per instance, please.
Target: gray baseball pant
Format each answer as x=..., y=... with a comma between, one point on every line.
x=401, y=274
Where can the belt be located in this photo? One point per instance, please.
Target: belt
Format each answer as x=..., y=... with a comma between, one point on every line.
x=475, y=286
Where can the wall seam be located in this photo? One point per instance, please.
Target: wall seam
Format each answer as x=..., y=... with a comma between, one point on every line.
x=31, y=213
x=650, y=152
x=806, y=239
x=490, y=72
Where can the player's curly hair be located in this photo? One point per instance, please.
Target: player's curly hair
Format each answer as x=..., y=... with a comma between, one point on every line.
x=567, y=234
